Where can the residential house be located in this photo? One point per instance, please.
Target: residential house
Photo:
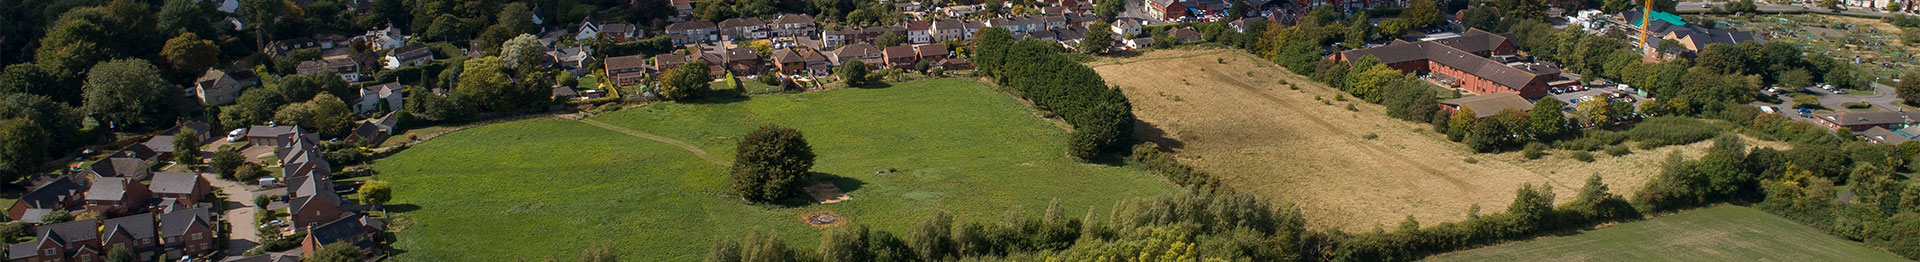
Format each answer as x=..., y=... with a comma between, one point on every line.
x=793, y=25
x=931, y=52
x=572, y=58
x=973, y=27
x=1185, y=35
x=268, y=135
x=188, y=232
x=740, y=61
x=411, y=55
x=627, y=70
x=1857, y=122
x=182, y=188
x=377, y=99
x=1880, y=135
x=344, y=65
x=949, y=30
x=689, y=32
x=859, y=52
x=121, y=167
x=217, y=87
x=117, y=194
x=900, y=56
x=383, y=39
x=621, y=32
x=1240, y=26
x=665, y=62
x=683, y=8
x=70, y=241
x=374, y=131
x=742, y=28
x=1127, y=27
x=358, y=230
x=589, y=29
x=837, y=37
x=1138, y=43
x=313, y=201
x=136, y=233
x=279, y=48
x=1487, y=105
x=60, y=194
x=959, y=10
x=796, y=60
x=919, y=32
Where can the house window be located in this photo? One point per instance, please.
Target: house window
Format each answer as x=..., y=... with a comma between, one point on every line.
x=198, y=236
x=48, y=251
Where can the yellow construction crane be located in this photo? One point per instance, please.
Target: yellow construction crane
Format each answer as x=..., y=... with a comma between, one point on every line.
x=1646, y=16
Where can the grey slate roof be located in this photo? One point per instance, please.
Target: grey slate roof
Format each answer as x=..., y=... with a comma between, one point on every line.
x=51, y=194
x=174, y=183
x=140, y=226
x=108, y=189
x=176, y=223
x=69, y=232
x=1491, y=104
x=120, y=167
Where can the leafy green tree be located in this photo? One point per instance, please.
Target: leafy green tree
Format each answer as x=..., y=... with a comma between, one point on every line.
x=338, y=252
x=524, y=53
x=12, y=232
x=1109, y=8
x=1482, y=17
x=188, y=16
x=486, y=83
x=128, y=92
x=991, y=45
x=254, y=106
x=120, y=254
x=83, y=37
x=226, y=161
x=306, y=86
x=376, y=192
x=188, y=56
x=1908, y=90
x=772, y=162
x=23, y=147
x=687, y=81
x=30, y=78
x=57, y=216
x=890, y=38
x=933, y=238
x=855, y=73
x=1098, y=40
x=846, y=244
x=1422, y=14
x=186, y=147
x=518, y=17
x=325, y=114
x=249, y=171
x=1545, y=121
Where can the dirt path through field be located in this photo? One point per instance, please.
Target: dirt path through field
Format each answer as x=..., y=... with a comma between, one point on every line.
x=683, y=145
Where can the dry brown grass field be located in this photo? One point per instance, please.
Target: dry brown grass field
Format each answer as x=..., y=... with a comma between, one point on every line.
x=1228, y=112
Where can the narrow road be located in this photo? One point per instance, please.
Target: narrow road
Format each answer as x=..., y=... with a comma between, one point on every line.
x=239, y=214
x=683, y=145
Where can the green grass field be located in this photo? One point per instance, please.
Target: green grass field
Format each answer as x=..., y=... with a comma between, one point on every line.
x=1723, y=233
x=548, y=188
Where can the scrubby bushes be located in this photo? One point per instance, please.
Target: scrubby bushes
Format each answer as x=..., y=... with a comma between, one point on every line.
x=1665, y=131
x=1149, y=156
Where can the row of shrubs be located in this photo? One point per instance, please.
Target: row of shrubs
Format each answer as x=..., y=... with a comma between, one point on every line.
x=1101, y=116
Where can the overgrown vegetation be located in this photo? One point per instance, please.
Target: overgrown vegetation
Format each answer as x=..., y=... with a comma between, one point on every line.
x=1102, y=118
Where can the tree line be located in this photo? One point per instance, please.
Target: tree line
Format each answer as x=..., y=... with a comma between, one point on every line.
x=1102, y=118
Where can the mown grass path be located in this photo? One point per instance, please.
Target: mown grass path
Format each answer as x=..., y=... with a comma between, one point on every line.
x=683, y=145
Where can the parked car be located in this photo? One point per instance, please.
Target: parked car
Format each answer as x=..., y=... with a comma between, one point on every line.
x=236, y=134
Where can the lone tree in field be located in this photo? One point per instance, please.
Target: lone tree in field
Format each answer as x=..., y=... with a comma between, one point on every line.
x=772, y=162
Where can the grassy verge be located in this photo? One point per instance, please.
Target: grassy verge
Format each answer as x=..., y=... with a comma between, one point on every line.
x=1723, y=233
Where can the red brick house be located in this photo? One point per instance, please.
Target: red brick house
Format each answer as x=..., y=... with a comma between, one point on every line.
x=136, y=233
x=187, y=232
x=57, y=195
x=627, y=70
x=313, y=201
x=116, y=194
x=931, y=52
x=70, y=241
x=359, y=230
x=182, y=188
x=900, y=56
x=1166, y=9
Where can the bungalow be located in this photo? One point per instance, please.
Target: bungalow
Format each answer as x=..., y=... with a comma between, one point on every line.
x=358, y=230
x=1185, y=35
x=136, y=233
x=858, y=52
x=116, y=194
x=900, y=56
x=793, y=25
x=268, y=135
x=1880, y=135
x=668, y=61
x=217, y=87
x=572, y=58
x=120, y=167
x=411, y=55
x=183, y=188
x=187, y=233
x=689, y=32
x=344, y=65
x=627, y=70
x=57, y=195
x=374, y=131
x=70, y=241
x=1487, y=105
x=375, y=99
x=1127, y=27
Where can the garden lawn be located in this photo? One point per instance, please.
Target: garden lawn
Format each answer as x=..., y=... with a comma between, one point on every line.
x=1722, y=233
x=549, y=187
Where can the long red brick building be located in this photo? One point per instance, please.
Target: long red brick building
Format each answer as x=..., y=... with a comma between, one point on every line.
x=1470, y=62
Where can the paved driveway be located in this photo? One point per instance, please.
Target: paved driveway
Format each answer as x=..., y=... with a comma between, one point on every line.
x=239, y=213
x=1884, y=97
